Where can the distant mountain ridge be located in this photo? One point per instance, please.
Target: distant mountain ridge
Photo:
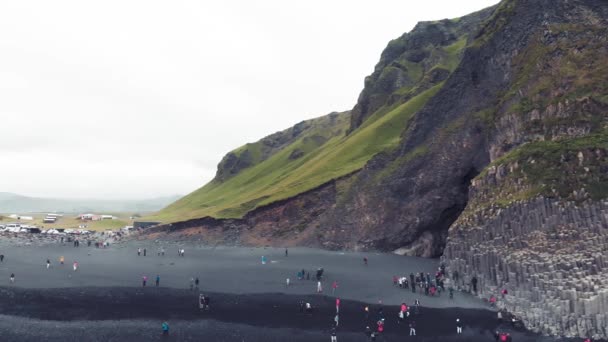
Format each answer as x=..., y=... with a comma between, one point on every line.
x=15, y=203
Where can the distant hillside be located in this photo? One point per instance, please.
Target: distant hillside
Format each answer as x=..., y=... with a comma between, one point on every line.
x=14, y=203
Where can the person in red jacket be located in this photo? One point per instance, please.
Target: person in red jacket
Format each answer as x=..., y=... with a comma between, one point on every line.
x=492, y=301
x=334, y=287
x=403, y=307
x=380, y=326
x=337, y=305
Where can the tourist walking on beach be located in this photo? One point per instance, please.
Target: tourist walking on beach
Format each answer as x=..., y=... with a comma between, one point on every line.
x=139, y=252
x=365, y=261
x=287, y=282
x=413, y=282
x=412, y=328
x=319, y=287
x=207, y=301
x=61, y=259
x=334, y=337
x=337, y=305
x=48, y=264
x=196, y=281
x=337, y=319
x=458, y=326
x=191, y=284
x=368, y=332
x=263, y=260
x=165, y=327
x=144, y=280
x=334, y=287
x=157, y=280
x=1, y=257
x=474, y=283
x=286, y=252
x=380, y=328
x=75, y=265
x=492, y=301
x=12, y=278
x=144, y=252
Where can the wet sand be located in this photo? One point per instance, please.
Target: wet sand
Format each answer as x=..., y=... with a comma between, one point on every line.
x=104, y=299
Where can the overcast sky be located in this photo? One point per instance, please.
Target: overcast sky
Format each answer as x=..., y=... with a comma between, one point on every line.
x=136, y=99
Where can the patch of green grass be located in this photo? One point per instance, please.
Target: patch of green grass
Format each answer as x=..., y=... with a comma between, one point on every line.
x=453, y=53
x=279, y=178
x=551, y=168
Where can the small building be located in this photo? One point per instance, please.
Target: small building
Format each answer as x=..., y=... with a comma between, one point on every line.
x=86, y=217
x=49, y=220
x=107, y=217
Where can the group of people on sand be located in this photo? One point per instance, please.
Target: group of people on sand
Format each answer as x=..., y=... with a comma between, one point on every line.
x=48, y=266
x=425, y=283
x=62, y=262
x=379, y=322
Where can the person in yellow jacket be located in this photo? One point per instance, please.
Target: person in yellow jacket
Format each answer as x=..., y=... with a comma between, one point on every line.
x=61, y=259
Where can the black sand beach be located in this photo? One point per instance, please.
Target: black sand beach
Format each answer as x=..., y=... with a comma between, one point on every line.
x=104, y=299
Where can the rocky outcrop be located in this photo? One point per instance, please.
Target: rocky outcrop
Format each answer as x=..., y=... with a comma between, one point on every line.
x=319, y=130
x=296, y=221
x=549, y=251
x=550, y=255
x=412, y=57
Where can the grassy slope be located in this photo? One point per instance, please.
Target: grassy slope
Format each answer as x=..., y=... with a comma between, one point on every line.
x=279, y=178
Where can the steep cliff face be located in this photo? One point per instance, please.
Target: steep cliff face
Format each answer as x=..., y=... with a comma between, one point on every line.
x=537, y=216
x=288, y=163
x=415, y=61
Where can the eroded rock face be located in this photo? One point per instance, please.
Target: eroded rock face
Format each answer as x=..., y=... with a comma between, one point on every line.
x=550, y=255
x=296, y=221
x=419, y=46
